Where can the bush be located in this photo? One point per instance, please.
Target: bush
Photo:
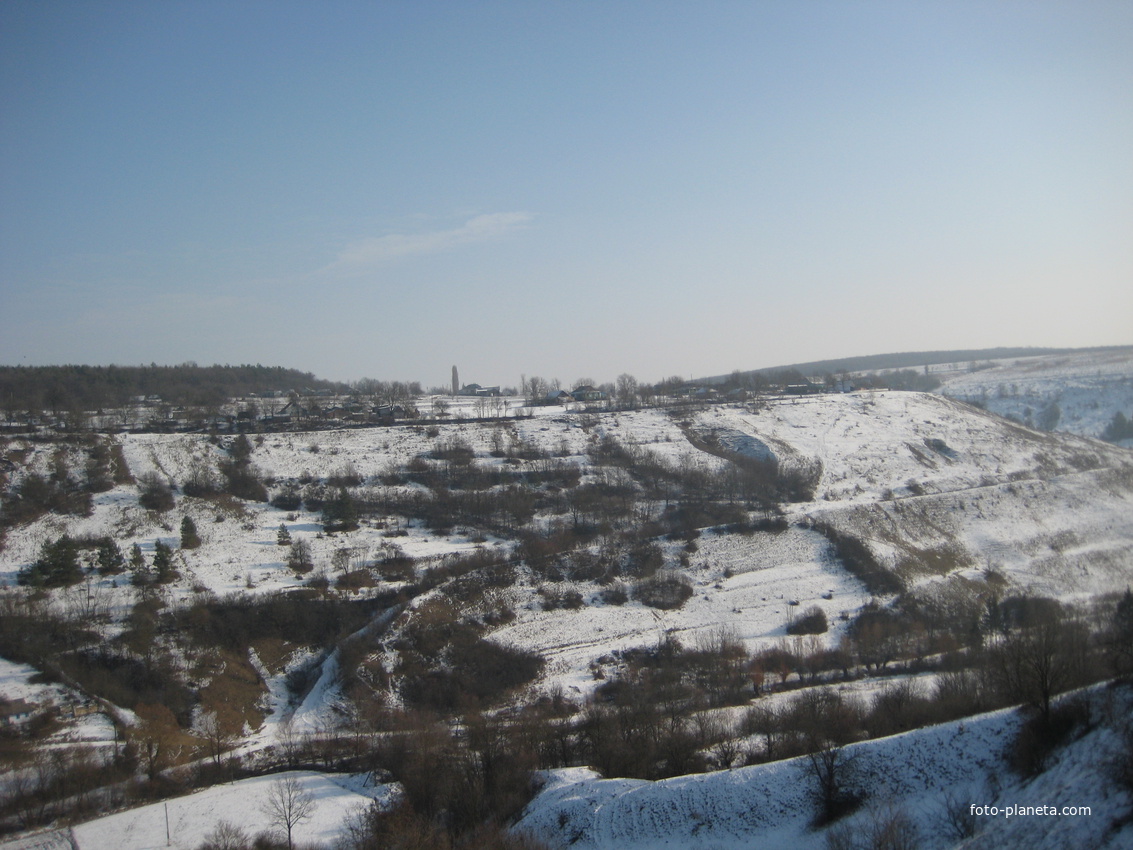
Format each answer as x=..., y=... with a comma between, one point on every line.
x=569, y=599
x=287, y=499
x=812, y=621
x=156, y=495
x=665, y=591
x=1039, y=737
x=859, y=560
x=200, y=482
x=299, y=557
x=244, y=481
x=615, y=594
x=478, y=671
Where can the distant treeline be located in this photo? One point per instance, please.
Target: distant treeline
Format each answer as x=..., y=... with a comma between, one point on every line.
x=58, y=389
x=907, y=359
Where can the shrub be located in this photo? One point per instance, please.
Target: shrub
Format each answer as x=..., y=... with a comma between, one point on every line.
x=812, y=621
x=355, y=580
x=615, y=594
x=664, y=591
x=859, y=560
x=1040, y=736
x=477, y=671
x=244, y=481
x=569, y=599
x=287, y=499
x=299, y=558
x=200, y=482
x=156, y=495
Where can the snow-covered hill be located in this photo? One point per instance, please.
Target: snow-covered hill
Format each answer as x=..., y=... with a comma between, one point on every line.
x=937, y=489
x=946, y=498
x=1078, y=392
x=925, y=778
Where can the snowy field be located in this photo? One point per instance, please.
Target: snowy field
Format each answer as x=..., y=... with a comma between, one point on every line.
x=185, y=822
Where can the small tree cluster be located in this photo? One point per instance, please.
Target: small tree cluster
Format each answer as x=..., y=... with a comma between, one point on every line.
x=57, y=566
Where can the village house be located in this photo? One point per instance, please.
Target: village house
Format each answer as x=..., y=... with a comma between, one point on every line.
x=587, y=393
x=16, y=712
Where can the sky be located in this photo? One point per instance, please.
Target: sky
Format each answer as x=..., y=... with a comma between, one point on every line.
x=563, y=189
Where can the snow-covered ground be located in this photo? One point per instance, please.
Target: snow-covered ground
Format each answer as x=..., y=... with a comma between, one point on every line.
x=185, y=822
x=929, y=483
x=909, y=472
x=917, y=774
x=78, y=720
x=1088, y=387
x=745, y=586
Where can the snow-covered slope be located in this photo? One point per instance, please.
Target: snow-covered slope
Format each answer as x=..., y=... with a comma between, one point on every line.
x=934, y=487
x=1088, y=387
x=185, y=822
x=917, y=774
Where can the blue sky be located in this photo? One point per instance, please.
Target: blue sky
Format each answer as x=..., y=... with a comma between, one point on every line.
x=566, y=189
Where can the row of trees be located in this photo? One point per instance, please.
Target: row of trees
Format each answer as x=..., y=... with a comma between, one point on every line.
x=59, y=389
x=66, y=560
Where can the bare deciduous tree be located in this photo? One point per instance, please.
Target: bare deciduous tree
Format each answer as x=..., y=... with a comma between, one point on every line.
x=288, y=804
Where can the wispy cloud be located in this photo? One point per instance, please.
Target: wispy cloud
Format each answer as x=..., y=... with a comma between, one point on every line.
x=379, y=249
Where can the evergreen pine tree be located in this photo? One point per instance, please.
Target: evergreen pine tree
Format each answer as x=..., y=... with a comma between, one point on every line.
x=189, y=537
x=283, y=538
x=109, y=557
x=57, y=566
x=61, y=563
x=1119, y=428
x=139, y=570
x=163, y=563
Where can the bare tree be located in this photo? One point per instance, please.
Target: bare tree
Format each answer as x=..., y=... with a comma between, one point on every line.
x=288, y=804
x=627, y=390
x=217, y=735
x=1042, y=659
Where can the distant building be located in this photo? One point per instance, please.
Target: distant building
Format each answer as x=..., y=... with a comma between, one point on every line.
x=587, y=393
x=16, y=712
x=477, y=390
